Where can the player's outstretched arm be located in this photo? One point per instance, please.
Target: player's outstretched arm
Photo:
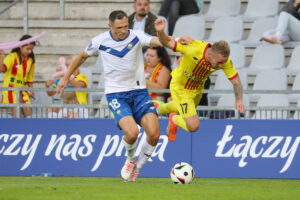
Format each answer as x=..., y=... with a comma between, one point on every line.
x=155, y=42
x=238, y=92
x=76, y=62
x=166, y=40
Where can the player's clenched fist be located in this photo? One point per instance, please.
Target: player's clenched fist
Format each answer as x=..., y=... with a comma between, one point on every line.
x=159, y=24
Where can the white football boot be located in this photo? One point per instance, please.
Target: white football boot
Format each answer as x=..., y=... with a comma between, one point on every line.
x=127, y=170
x=134, y=174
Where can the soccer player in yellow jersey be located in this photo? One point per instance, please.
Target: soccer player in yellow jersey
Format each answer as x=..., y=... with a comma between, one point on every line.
x=18, y=68
x=200, y=59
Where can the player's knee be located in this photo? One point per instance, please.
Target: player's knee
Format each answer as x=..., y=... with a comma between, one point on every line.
x=132, y=135
x=154, y=136
x=193, y=127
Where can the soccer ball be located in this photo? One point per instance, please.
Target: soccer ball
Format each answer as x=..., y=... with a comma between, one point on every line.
x=182, y=173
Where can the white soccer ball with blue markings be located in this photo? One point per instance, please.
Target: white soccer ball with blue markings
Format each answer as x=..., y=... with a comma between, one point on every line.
x=182, y=173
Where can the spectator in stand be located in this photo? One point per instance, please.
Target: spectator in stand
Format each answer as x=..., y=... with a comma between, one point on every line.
x=142, y=19
x=18, y=68
x=158, y=71
x=173, y=9
x=288, y=26
x=80, y=81
x=71, y=98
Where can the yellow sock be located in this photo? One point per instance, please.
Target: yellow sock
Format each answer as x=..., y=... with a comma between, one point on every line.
x=167, y=108
x=178, y=120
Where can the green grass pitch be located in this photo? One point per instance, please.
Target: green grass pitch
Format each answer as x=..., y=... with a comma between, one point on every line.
x=94, y=188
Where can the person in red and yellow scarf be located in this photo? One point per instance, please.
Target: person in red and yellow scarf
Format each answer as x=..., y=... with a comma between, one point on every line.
x=18, y=68
x=157, y=71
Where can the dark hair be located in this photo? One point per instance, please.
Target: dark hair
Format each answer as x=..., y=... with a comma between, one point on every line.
x=164, y=56
x=117, y=14
x=18, y=50
x=166, y=61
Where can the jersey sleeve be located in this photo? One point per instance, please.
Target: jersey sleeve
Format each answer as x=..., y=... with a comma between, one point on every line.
x=144, y=38
x=8, y=61
x=92, y=48
x=178, y=47
x=230, y=70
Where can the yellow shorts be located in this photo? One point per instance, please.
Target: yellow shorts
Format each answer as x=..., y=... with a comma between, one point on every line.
x=11, y=97
x=186, y=101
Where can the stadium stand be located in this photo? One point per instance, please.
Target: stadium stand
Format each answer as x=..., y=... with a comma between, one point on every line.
x=227, y=28
x=222, y=8
x=293, y=67
x=269, y=80
x=228, y=100
x=237, y=55
x=254, y=17
x=273, y=100
x=296, y=86
x=297, y=112
x=266, y=56
x=258, y=27
x=258, y=8
x=196, y=26
x=222, y=83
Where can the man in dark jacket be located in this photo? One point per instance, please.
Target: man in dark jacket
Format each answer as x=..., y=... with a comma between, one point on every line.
x=288, y=26
x=173, y=9
x=142, y=19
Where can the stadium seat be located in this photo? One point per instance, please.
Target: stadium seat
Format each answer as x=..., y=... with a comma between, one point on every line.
x=192, y=25
x=222, y=83
x=293, y=67
x=227, y=28
x=272, y=100
x=265, y=57
x=237, y=55
x=296, y=86
x=228, y=100
x=257, y=29
x=268, y=80
x=297, y=112
x=260, y=8
x=221, y=8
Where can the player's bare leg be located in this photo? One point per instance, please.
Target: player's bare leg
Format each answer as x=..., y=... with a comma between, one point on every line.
x=131, y=132
x=151, y=126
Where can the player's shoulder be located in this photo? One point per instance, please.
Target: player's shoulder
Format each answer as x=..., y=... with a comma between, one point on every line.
x=200, y=43
x=101, y=36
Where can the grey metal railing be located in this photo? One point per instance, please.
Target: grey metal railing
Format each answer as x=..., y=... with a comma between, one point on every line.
x=100, y=110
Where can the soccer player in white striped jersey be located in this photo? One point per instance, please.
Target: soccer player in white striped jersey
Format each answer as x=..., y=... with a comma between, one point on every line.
x=125, y=87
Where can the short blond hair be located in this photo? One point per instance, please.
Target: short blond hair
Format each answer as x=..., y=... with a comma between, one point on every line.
x=221, y=47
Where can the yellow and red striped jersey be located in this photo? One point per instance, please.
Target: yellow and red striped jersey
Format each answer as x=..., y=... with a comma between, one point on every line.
x=17, y=74
x=193, y=69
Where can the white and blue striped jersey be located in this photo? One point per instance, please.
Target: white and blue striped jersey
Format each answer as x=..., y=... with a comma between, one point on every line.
x=123, y=61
